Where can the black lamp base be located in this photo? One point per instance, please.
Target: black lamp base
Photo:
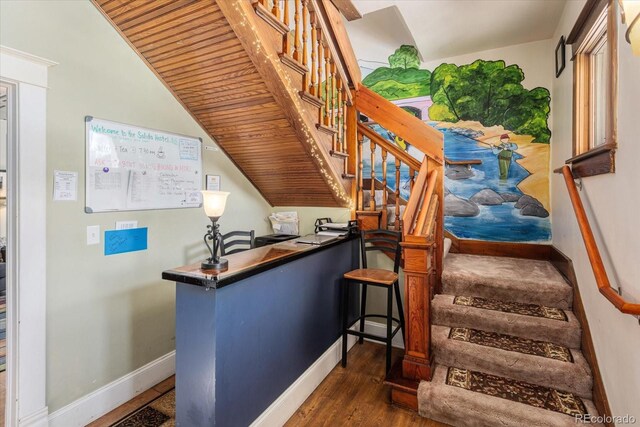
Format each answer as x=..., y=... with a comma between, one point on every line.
x=209, y=264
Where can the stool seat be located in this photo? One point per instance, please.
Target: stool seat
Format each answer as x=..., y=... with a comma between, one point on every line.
x=372, y=275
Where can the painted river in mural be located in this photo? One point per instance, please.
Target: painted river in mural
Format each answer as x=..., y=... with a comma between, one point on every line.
x=496, y=223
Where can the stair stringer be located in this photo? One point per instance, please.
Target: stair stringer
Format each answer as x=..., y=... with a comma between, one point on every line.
x=255, y=36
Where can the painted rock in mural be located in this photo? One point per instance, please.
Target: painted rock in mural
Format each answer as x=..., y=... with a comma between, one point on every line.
x=527, y=200
x=487, y=197
x=458, y=172
x=455, y=206
x=534, y=210
x=510, y=197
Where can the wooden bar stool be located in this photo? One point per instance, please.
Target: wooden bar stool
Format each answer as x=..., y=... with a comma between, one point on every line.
x=374, y=240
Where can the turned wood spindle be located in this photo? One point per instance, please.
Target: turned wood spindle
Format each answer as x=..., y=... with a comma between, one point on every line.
x=320, y=72
x=344, y=121
x=286, y=44
x=332, y=104
x=360, y=172
x=327, y=83
x=276, y=8
x=397, y=194
x=296, y=30
x=384, y=183
x=339, y=114
x=304, y=56
x=411, y=179
x=372, y=200
x=314, y=55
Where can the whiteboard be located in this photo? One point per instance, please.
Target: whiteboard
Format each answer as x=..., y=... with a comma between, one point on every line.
x=134, y=168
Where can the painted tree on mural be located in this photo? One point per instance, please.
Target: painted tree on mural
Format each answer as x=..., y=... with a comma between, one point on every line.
x=491, y=93
x=403, y=79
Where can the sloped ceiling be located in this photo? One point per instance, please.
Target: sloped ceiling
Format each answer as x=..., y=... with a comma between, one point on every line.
x=445, y=28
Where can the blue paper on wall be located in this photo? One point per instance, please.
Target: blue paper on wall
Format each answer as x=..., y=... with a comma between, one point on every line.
x=121, y=241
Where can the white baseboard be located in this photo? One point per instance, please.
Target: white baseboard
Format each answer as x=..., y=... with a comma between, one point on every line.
x=95, y=404
x=380, y=329
x=293, y=397
x=38, y=419
x=288, y=403
x=105, y=399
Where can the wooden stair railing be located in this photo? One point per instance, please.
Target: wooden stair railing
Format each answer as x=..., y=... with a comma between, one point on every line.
x=599, y=270
x=401, y=158
x=309, y=46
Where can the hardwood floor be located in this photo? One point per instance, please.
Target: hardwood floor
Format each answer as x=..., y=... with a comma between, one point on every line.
x=354, y=396
x=134, y=404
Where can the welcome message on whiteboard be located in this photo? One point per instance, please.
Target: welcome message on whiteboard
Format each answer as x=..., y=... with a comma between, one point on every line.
x=134, y=168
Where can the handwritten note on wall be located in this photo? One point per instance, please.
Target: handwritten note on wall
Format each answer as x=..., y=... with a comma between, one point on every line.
x=134, y=168
x=121, y=241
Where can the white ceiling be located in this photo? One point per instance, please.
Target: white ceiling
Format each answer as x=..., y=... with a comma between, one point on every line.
x=446, y=28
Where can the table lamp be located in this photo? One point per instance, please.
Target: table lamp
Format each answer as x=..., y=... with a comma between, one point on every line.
x=213, y=203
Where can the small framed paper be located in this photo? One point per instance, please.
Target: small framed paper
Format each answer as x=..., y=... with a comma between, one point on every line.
x=213, y=183
x=560, y=56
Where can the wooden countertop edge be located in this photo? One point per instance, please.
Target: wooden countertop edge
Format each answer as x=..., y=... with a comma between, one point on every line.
x=211, y=281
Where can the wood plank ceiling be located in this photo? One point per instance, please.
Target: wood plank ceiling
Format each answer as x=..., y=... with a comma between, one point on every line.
x=191, y=47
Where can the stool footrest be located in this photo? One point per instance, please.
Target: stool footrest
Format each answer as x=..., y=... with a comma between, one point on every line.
x=381, y=338
x=357, y=319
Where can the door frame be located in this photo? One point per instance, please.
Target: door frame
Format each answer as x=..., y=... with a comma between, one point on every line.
x=26, y=236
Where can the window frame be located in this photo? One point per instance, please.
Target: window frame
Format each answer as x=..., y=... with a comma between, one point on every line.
x=597, y=19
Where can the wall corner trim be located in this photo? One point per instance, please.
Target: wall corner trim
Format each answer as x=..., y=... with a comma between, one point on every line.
x=103, y=400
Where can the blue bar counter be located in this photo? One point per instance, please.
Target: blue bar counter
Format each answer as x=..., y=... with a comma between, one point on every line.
x=245, y=335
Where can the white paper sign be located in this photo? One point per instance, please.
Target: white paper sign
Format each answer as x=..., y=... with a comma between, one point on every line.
x=213, y=183
x=65, y=186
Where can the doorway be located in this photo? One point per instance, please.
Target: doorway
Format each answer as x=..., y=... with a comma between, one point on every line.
x=6, y=107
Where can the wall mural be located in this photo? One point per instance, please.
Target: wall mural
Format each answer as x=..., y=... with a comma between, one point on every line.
x=496, y=141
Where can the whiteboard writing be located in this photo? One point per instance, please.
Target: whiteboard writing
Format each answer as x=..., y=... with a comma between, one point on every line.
x=134, y=168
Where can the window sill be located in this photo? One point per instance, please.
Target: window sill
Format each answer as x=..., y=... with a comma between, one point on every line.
x=597, y=161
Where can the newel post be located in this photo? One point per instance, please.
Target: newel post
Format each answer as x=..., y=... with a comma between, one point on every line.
x=420, y=277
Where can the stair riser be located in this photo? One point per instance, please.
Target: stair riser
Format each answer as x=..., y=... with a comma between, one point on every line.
x=574, y=377
x=563, y=333
x=551, y=297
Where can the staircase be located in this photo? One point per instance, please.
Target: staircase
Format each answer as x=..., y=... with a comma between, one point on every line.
x=506, y=346
x=276, y=84
x=269, y=81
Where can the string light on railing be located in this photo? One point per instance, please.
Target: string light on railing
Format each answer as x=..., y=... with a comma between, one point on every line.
x=315, y=150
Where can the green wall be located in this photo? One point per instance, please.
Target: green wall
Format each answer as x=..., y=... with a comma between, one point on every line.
x=107, y=316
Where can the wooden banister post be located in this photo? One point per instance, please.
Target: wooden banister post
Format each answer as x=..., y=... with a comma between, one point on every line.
x=418, y=269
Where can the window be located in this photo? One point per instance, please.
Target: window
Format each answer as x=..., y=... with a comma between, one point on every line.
x=593, y=41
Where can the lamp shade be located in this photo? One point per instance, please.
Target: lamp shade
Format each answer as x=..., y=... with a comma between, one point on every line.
x=214, y=203
x=631, y=10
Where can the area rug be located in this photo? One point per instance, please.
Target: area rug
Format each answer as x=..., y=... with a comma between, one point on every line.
x=160, y=412
x=517, y=391
x=512, y=307
x=511, y=343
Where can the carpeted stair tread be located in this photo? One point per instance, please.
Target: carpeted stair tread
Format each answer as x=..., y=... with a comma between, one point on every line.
x=506, y=358
x=506, y=279
x=566, y=333
x=460, y=406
